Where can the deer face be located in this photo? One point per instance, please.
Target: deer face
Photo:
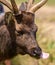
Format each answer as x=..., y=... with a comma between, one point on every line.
x=25, y=27
x=26, y=37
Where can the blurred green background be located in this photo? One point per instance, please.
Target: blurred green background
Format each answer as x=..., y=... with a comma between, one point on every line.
x=45, y=20
x=50, y=2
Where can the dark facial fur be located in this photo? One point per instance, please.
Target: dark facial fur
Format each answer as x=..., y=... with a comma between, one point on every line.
x=27, y=35
x=13, y=42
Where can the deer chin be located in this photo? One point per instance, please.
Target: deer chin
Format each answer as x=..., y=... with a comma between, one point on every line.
x=44, y=55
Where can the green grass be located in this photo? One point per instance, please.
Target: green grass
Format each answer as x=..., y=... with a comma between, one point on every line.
x=50, y=2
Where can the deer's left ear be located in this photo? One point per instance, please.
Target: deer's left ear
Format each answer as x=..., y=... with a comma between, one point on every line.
x=23, y=6
x=8, y=17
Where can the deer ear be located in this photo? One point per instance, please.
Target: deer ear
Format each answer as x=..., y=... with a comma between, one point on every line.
x=8, y=17
x=23, y=6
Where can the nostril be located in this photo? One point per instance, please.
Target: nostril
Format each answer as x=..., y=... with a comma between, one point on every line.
x=37, y=51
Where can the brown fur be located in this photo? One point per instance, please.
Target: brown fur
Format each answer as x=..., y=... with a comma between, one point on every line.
x=22, y=41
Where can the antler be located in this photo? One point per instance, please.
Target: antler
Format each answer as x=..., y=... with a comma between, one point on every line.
x=6, y=4
x=30, y=2
x=37, y=6
x=14, y=6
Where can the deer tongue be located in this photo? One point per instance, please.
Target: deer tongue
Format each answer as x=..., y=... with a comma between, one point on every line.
x=44, y=55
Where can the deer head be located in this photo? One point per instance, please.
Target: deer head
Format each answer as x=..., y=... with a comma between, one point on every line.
x=25, y=27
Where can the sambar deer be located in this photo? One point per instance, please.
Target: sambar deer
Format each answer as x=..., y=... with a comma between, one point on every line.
x=18, y=33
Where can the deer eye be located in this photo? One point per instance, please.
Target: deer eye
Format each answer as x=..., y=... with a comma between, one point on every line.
x=20, y=33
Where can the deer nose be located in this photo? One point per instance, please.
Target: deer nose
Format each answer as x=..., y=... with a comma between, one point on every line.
x=37, y=52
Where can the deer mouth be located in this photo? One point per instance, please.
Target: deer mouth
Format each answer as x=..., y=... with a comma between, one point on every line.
x=38, y=54
x=35, y=52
